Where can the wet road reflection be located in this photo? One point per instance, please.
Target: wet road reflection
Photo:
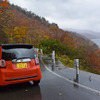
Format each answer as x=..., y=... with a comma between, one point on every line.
x=56, y=88
x=53, y=67
x=51, y=87
x=77, y=81
x=23, y=91
x=57, y=66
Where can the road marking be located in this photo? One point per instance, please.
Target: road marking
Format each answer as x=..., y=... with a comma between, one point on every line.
x=83, y=86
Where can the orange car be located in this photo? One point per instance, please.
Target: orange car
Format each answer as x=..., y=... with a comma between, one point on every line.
x=18, y=63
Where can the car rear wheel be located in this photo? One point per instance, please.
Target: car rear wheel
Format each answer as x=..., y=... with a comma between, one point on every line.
x=36, y=82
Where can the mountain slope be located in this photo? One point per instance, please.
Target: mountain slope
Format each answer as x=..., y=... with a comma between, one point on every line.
x=38, y=27
x=21, y=26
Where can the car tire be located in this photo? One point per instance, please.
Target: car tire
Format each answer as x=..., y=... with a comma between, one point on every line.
x=36, y=82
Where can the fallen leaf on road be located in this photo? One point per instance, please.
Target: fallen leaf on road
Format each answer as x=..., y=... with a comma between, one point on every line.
x=60, y=93
x=26, y=90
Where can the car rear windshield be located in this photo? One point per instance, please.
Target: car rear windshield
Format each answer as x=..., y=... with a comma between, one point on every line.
x=16, y=53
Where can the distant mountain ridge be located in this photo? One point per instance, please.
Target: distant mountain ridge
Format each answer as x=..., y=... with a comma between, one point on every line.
x=87, y=33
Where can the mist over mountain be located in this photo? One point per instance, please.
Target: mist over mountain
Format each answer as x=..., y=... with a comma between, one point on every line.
x=87, y=33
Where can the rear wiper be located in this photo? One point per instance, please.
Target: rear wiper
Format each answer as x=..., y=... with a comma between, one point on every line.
x=22, y=58
x=27, y=59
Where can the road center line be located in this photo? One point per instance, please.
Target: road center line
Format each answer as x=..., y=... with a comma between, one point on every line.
x=83, y=86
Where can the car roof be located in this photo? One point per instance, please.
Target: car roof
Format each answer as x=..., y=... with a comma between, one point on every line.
x=16, y=45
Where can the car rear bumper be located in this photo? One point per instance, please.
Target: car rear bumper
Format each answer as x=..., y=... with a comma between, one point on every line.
x=22, y=78
x=25, y=78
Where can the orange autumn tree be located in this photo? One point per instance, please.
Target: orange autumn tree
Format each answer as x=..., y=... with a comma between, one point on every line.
x=4, y=4
x=54, y=32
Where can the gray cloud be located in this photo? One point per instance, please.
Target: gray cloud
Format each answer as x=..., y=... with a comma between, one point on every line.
x=75, y=14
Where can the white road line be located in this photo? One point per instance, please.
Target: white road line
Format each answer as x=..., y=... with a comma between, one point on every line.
x=83, y=86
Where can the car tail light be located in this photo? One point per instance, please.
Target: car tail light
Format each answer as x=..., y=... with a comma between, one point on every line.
x=2, y=63
x=36, y=61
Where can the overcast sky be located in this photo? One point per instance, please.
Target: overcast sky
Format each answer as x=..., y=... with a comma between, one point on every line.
x=68, y=14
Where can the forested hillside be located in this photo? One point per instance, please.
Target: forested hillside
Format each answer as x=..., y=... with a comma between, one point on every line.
x=17, y=25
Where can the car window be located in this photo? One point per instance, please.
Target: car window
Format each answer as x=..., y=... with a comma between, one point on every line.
x=15, y=53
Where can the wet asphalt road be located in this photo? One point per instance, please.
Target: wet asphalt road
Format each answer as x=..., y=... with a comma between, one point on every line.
x=51, y=88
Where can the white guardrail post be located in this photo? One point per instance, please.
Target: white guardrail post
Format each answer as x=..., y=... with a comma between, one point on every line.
x=53, y=56
x=41, y=51
x=76, y=65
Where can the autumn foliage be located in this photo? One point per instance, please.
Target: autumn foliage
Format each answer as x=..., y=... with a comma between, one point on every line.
x=17, y=25
x=4, y=4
